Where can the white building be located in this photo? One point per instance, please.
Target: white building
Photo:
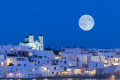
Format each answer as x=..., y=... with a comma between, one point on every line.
x=96, y=62
x=18, y=67
x=2, y=66
x=24, y=62
x=36, y=45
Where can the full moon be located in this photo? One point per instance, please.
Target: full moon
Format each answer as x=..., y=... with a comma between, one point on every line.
x=86, y=22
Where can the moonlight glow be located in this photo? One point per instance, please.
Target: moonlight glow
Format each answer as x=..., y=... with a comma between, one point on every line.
x=86, y=22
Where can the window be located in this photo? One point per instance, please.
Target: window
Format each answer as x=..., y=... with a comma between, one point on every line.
x=11, y=64
x=52, y=72
x=96, y=65
x=54, y=68
x=64, y=68
x=35, y=62
x=23, y=54
x=35, y=56
x=77, y=59
x=1, y=64
x=38, y=62
x=39, y=56
x=18, y=64
x=24, y=64
x=20, y=59
x=65, y=62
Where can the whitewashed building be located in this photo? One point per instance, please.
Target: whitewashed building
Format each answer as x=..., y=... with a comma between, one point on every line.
x=2, y=66
x=36, y=45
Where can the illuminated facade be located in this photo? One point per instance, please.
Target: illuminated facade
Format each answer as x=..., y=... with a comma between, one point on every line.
x=35, y=45
x=24, y=62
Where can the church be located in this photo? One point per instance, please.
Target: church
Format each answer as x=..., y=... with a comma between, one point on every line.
x=36, y=45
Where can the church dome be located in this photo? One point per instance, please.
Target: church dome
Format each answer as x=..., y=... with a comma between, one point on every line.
x=31, y=34
x=26, y=37
x=40, y=35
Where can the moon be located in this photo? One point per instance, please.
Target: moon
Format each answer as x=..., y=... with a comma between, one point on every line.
x=86, y=22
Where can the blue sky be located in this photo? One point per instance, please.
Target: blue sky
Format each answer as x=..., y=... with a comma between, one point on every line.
x=57, y=20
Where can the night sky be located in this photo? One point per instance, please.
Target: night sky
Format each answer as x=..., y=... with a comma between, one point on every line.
x=57, y=20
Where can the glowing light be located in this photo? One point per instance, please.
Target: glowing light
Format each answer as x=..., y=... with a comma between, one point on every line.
x=45, y=79
x=30, y=54
x=2, y=63
x=11, y=74
x=44, y=68
x=57, y=57
x=11, y=49
x=113, y=77
x=86, y=22
x=68, y=69
x=16, y=75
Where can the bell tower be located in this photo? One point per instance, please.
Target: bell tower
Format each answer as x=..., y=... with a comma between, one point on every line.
x=31, y=38
x=41, y=42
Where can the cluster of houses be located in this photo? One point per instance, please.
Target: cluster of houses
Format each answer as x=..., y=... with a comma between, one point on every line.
x=33, y=61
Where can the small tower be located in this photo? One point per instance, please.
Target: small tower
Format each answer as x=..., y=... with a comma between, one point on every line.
x=40, y=38
x=41, y=46
x=31, y=38
x=26, y=39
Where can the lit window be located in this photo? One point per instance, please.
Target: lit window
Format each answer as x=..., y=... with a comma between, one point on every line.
x=1, y=63
x=16, y=75
x=35, y=62
x=10, y=74
x=11, y=49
